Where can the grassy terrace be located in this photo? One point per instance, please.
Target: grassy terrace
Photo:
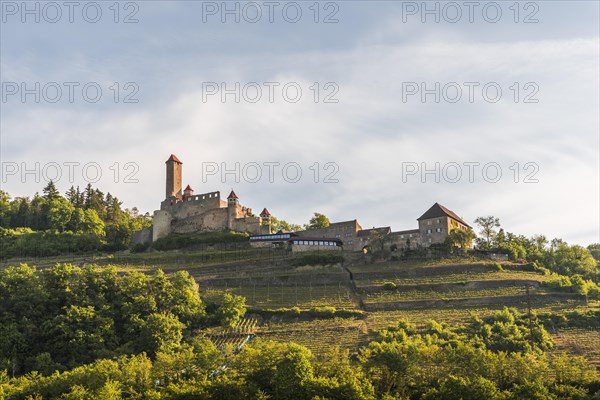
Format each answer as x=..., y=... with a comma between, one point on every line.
x=463, y=277
x=405, y=295
x=277, y=296
x=320, y=335
x=449, y=291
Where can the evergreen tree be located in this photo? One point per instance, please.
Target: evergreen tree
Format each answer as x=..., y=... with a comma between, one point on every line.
x=50, y=192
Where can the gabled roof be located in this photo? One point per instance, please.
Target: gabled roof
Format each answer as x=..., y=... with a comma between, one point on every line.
x=438, y=210
x=188, y=187
x=173, y=158
x=232, y=195
x=368, y=232
x=265, y=212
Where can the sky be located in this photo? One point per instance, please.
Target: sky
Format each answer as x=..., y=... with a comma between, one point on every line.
x=368, y=110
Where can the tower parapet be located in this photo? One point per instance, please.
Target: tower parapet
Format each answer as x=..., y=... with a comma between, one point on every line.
x=188, y=192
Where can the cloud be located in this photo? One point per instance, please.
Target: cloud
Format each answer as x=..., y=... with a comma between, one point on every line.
x=369, y=133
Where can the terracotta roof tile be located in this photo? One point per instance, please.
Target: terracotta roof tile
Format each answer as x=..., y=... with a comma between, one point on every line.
x=438, y=210
x=173, y=158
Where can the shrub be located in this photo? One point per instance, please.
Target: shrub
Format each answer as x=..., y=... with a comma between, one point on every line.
x=179, y=240
x=319, y=258
x=390, y=286
x=140, y=247
x=323, y=312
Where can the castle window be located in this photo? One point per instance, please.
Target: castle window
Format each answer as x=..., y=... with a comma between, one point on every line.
x=428, y=222
x=439, y=221
x=438, y=229
x=428, y=231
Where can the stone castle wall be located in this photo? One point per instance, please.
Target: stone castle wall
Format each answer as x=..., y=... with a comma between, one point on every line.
x=193, y=205
x=205, y=213
x=204, y=220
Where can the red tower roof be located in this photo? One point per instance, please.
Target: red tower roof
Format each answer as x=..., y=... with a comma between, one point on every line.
x=232, y=195
x=188, y=187
x=265, y=212
x=173, y=158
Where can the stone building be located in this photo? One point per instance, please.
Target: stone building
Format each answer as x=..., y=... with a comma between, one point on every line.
x=186, y=212
x=346, y=231
x=434, y=226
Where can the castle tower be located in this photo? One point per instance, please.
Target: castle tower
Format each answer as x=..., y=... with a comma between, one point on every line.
x=188, y=192
x=265, y=221
x=233, y=203
x=173, y=177
x=265, y=215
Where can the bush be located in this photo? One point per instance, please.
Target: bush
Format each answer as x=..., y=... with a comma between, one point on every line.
x=323, y=312
x=141, y=247
x=175, y=241
x=390, y=286
x=319, y=258
x=26, y=243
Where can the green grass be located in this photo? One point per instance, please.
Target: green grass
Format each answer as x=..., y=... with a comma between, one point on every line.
x=465, y=277
x=360, y=267
x=409, y=295
x=319, y=335
x=277, y=296
x=583, y=342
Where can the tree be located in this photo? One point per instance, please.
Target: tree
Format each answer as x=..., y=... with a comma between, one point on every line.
x=231, y=309
x=59, y=213
x=318, y=221
x=460, y=238
x=488, y=231
x=92, y=223
x=595, y=250
x=158, y=332
x=377, y=244
x=277, y=225
x=293, y=373
x=540, y=242
x=80, y=335
x=5, y=209
x=50, y=191
x=459, y=388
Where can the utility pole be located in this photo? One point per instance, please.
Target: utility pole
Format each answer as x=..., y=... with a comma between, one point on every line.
x=529, y=316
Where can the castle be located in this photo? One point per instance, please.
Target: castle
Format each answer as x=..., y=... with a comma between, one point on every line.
x=184, y=212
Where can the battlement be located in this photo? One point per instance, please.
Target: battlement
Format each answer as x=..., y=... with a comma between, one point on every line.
x=210, y=200
x=203, y=197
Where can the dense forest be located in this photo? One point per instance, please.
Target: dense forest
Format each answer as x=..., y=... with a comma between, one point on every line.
x=52, y=224
x=89, y=333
